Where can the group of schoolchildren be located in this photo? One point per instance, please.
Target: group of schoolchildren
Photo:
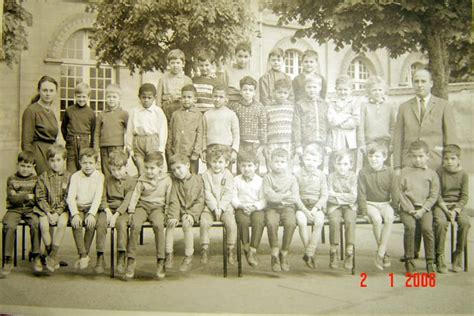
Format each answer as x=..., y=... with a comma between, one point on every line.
x=221, y=122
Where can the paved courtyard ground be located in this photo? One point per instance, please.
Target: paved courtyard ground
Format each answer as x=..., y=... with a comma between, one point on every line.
x=259, y=291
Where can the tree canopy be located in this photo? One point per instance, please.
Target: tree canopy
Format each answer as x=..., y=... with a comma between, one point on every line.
x=15, y=19
x=440, y=28
x=139, y=33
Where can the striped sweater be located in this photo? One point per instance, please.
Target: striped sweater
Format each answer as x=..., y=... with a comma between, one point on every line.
x=280, y=122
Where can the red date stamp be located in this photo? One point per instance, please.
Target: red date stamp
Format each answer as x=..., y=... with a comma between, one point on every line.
x=412, y=280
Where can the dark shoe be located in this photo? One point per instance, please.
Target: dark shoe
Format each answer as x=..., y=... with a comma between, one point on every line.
x=441, y=264
x=348, y=261
x=410, y=266
x=169, y=260
x=186, y=264
x=160, y=269
x=402, y=258
x=276, y=267
x=231, y=256
x=63, y=263
x=333, y=260
x=430, y=267
x=456, y=264
x=121, y=263
x=100, y=265
x=386, y=261
x=285, y=265
x=43, y=259
x=249, y=255
x=130, y=272
x=8, y=266
x=204, y=255
x=309, y=261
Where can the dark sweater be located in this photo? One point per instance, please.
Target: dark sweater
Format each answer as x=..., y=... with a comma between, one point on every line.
x=117, y=193
x=18, y=189
x=454, y=187
x=376, y=186
x=78, y=120
x=110, y=128
x=419, y=188
x=187, y=197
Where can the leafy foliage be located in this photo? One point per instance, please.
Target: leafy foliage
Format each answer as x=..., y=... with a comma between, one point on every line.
x=14, y=35
x=440, y=28
x=139, y=33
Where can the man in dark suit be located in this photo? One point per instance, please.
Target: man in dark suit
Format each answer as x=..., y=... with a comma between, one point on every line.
x=424, y=117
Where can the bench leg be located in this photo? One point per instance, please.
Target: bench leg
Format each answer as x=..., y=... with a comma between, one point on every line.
x=3, y=245
x=452, y=242
x=353, y=259
x=112, y=252
x=141, y=236
x=239, y=252
x=15, y=250
x=224, y=250
x=23, y=242
x=466, y=258
x=341, y=231
x=323, y=235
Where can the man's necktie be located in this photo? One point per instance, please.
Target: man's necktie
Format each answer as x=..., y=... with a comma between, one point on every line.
x=422, y=108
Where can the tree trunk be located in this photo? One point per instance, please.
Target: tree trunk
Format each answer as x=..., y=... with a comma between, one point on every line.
x=438, y=61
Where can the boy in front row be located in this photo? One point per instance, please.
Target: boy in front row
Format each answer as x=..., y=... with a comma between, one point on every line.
x=83, y=199
x=117, y=194
x=149, y=202
x=454, y=194
x=280, y=189
x=186, y=205
x=419, y=189
x=20, y=202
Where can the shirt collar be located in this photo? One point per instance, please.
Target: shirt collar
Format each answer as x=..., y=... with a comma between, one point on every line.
x=149, y=109
x=426, y=98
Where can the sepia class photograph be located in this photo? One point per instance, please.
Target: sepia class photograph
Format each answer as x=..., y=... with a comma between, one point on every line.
x=236, y=157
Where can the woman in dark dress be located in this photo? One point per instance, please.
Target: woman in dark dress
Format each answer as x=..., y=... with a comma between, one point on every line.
x=39, y=124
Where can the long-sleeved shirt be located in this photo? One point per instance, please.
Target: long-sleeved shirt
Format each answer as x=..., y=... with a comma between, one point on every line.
x=78, y=120
x=221, y=126
x=39, y=124
x=267, y=86
x=376, y=186
x=342, y=189
x=170, y=85
x=51, y=192
x=377, y=120
x=418, y=187
x=145, y=122
x=110, y=128
x=117, y=193
x=280, y=123
x=156, y=191
x=344, y=121
x=85, y=192
x=281, y=190
x=252, y=121
x=311, y=122
x=313, y=186
x=185, y=133
x=248, y=193
x=18, y=190
x=454, y=187
x=299, y=85
x=219, y=189
x=204, y=87
x=187, y=197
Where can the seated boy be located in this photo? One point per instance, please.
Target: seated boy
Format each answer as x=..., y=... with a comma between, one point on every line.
x=454, y=194
x=51, y=192
x=117, y=193
x=342, y=198
x=20, y=203
x=419, y=190
x=186, y=205
x=249, y=203
x=149, y=202
x=280, y=189
x=314, y=195
x=377, y=197
x=83, y=199
x=218, y=193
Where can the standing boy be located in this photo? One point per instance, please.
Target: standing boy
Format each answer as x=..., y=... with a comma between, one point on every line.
x=78, y=126
x=310, y=68
x=206, y=81
x=268, y=80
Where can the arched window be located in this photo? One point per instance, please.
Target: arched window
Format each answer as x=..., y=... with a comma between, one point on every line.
x=359, y=72
x=79, y=65
x=293, y=62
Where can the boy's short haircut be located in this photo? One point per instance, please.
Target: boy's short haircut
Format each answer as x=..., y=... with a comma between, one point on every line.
x=283, y=84
x=118, y=158
x=452, y=149
x=279, y=152
x=147, y=87
x=341, y=154
x=154, y=157
x=247, y=80
x=56, y=149
x=310, y=53
x=313, y=149
x=419, y=145
x=82, y=88
x=243, y=46
x=113, y=88
x=344, y=80
x=175, y=54
x=375, y=80
x=178, y=159
x=208, y=55
x=219, y=87
x=189, y=87
x=88, y=152
x=218, y=152
x=313, y=79
x=26, y=157
x=247, y=156
x=276, y=52
x=377, y=148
